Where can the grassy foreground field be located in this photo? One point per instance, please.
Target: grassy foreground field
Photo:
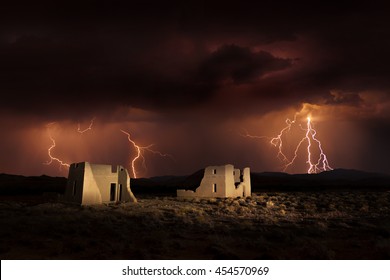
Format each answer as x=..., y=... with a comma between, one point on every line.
x=300, y=225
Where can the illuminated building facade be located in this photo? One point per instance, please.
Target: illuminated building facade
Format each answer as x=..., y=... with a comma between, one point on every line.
x=222, y=181
x=90, y=184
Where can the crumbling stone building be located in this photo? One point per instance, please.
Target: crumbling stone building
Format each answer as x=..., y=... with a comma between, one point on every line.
x=222, y=181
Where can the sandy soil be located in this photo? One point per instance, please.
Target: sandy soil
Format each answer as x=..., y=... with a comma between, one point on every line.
x=318, y=225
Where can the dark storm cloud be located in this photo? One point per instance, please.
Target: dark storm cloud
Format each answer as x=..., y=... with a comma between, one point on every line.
x=240, y=64
x=174, y=72
x=66, y=59
x=52, y=69
x=51, y=52
x=63, y=70
x=344, y=98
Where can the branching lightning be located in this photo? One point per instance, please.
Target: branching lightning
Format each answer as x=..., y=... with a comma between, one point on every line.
x=314, y=166
x=140, y=150
x=278, y=142
x=140, y=153
x=49, y=150
x=246, y=134
x=53, y=145
x=88, y=128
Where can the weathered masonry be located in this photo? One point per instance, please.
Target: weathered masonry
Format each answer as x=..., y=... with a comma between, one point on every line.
x=90, y=184
x=222, y=181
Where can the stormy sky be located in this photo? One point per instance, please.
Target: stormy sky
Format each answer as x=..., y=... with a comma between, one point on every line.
x=192, y=77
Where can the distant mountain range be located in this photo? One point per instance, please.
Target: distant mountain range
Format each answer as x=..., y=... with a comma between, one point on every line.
x=338, y=179
x=334, y=180
x=17, y=184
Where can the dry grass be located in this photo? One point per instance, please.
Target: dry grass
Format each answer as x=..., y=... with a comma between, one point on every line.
x=322, y=225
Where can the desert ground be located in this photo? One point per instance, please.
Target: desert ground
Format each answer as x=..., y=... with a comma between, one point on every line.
x=268, y=225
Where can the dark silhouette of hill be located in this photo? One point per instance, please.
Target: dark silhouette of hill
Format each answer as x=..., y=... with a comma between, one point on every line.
x=338, y=179
x=334, y=180
x=349, y=174
x=31, y=185
x=167, y=184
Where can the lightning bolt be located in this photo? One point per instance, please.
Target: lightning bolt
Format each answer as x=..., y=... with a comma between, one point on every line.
x=246, y=134
x=140, y=153
x=53, y=145
x=88, y=128
x=278, y=142
x=310, y=138
x=311, y=135
x=49, y=150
